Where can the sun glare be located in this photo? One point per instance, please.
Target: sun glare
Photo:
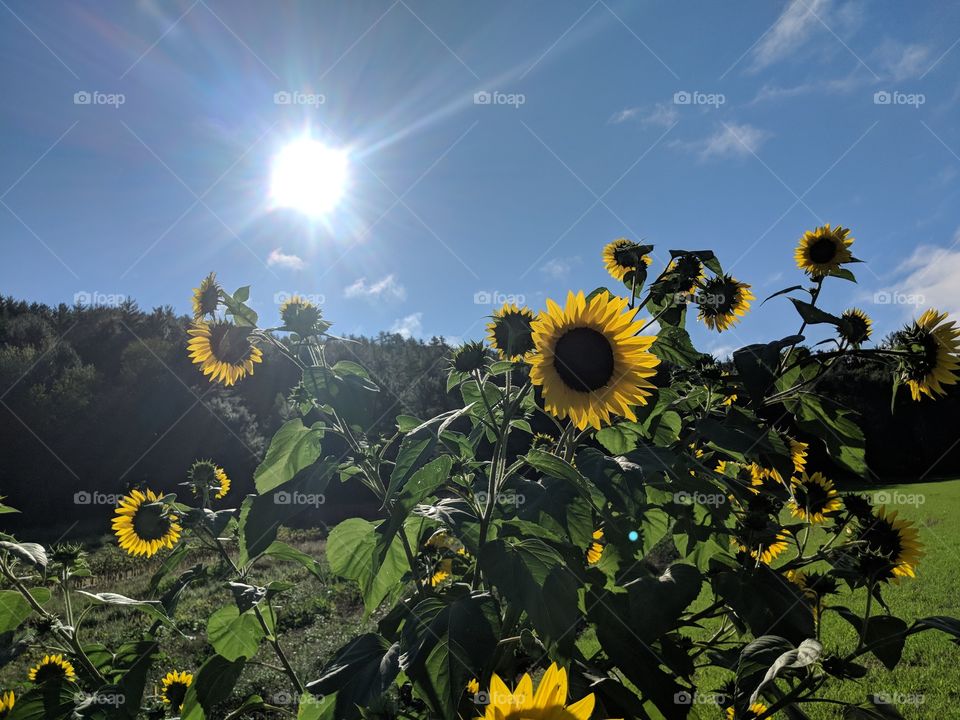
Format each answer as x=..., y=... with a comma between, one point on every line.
x=308, y=176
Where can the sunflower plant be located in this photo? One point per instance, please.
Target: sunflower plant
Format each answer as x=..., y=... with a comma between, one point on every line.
x=607, y=514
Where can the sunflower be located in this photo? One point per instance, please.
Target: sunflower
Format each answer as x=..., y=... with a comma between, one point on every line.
x=469, y=357
x=52, y=667
x=814, y=587
x=302, y=317
x=595, y=551
x=206, y=298
x=934, y=361
x=892, y=546
x=543, y=441
x=763, y=544
x=723, y=300
x=822, y=251
x=590, y=362
x=204, y=474
x=174, y=688
x=6, y=703
x=443, y=540
x=814, y=497
x=623, y=256
x=473, y=686
x=441, y=572
x=510, y=331
x=857, y=327
x=547, y=703
x=687, y=271
x=754, y=711
x=223, y=351
x=143, y=526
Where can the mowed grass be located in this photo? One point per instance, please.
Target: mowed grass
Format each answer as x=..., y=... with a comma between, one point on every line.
x=925, y=682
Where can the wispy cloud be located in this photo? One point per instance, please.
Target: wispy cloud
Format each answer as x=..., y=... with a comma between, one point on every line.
x=898, y=61
x=386, y=288
x=280, y=259
x=559, y=268
x=790, y=32
x=728, y=141
x=660, y=115
x=930, y=277
x=409, y=326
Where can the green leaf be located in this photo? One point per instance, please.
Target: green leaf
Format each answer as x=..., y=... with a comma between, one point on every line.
x=49, y=701
x=293, y=448
x=843, y=437
x=212, y=685
x=415, y=451
x=314, y=708
x=886, y=635
x=14, y=608
x=360, y=673
x=813, y=315
x=153, y=608
x=242, y=314
x=30, y=553
x=234, y=635
x=673, y=345
x=782, y=292
x=282, y=551
x=805, y=654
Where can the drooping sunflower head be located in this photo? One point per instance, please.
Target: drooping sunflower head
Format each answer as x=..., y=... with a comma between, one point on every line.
x=760, y=538
x=206, y=298
x=224, y=351
x=814, y=497
x=469, y=357
x=144, y=525
x=751, y=713
x=206, y=476
x=823, y=250
x=547, y=703
x=173, y=688
x=510, y=331
x=856, y=328
x=590, y=362
x=798, y=453
x=443, y=541
x=543, y=441
x=52, y=668
x=302, y=317
x=595, y=551
x=621, y=257
x=7, y=700
x=723, y=300
x=934, y=347
x=892, y=547
x=687, y=272
x=858, y=506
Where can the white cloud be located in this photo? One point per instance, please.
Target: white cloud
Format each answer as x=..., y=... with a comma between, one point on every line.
x=722, y=352
x=409, y=326
x=931, y=278
x=728, y=141
x=386, y=288
x=790, y=32
x=291, y=262
x=559, y=268
x=661, y=115
x=900, y=62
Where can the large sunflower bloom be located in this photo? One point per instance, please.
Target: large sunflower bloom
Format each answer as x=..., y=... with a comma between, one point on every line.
x=893, y=546
x=223, y=350
x=935, y=347
x=509, y=333
x=546, y=704
x=6, y=703
x=590, y=361
x=174, y=688
x=622, y=257
x=814, y=497
x=858, y=327
x=52, y=667
x=763, y=544
x=723, y=300
x=823, y=250
x=206, y=298
x=142, y=526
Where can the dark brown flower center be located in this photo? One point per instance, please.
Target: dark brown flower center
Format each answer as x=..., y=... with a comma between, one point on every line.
x=176, y=692
x=50, y=671
x=823, y=250
x=231, y=344
x=150, y=523
x=883, y=539
x=513, y=334
x=583, y=358
x=812, y=497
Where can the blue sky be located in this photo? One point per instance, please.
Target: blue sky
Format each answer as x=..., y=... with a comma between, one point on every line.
x=732, y=126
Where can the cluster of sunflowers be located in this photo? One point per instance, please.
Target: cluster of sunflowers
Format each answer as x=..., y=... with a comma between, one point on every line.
x=604, y=424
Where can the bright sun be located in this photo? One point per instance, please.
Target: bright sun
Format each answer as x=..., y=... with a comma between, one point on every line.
x=308, y=176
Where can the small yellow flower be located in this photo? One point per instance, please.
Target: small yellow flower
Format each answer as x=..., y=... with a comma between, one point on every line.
x=814, y=498
x=595, y=551
x=823, y=250
x=754, y=711
x=473, y=686
x=6, y=703
x=174, y=688
x=442, y=572
x=52, y=667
